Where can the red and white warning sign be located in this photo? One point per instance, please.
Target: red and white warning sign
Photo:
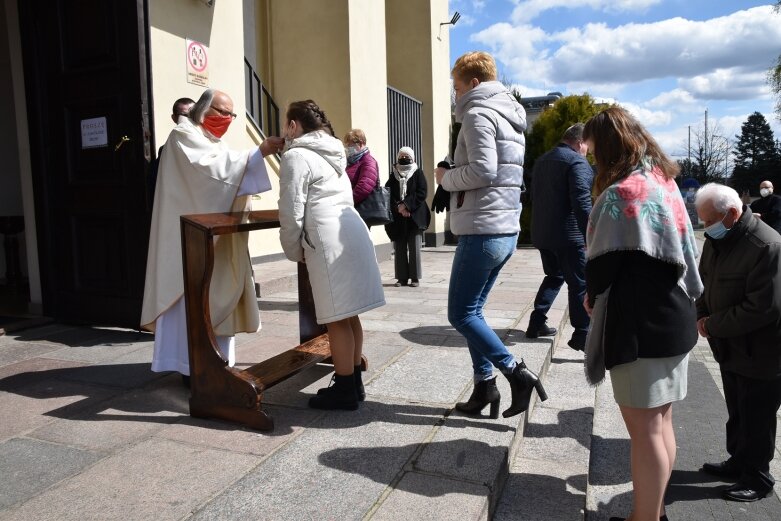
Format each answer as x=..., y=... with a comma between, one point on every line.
x=197, y=63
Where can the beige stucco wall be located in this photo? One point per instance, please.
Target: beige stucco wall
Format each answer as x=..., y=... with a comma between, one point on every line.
x=419, y=64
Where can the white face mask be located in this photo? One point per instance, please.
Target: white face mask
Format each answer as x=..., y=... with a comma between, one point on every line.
x=764, y=192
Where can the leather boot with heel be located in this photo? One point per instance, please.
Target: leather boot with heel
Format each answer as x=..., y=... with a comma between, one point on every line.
x=484, y=393
x=522, y=382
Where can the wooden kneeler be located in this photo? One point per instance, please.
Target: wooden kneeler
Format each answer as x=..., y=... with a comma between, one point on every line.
x=219, y=391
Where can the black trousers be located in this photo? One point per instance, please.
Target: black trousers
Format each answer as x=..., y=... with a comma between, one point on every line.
x=752, y=405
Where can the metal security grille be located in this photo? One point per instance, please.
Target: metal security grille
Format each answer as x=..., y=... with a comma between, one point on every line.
x=403, y=125
x=261, y=108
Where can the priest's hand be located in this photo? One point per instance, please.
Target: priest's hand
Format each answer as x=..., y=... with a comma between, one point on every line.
x=272, y=145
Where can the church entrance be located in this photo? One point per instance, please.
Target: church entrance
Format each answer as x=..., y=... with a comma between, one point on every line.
x=87, y=100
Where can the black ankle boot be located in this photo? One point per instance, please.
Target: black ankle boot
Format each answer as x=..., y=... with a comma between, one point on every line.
x=485, y=392
x=522, y=381
x=341, y=395
x=359, y=384
x=360, y=391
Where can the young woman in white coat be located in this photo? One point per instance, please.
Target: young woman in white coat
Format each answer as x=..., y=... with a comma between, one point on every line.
x=320, y=227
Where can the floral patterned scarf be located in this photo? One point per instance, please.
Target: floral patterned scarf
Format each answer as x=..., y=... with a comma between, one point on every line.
x=645, y=212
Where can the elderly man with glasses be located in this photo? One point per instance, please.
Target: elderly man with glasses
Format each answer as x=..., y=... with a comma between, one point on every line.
x=200, y=174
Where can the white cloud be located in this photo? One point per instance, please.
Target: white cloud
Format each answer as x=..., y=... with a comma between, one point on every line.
x=720, y=58
x=670, y=48
x=727, y=84
x=649, y=118
x=676, y=99
x=528, y=10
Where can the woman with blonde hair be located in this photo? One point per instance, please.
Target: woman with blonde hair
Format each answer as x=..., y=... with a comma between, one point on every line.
x=485, y=192
x=642, y=280
x=319, y=226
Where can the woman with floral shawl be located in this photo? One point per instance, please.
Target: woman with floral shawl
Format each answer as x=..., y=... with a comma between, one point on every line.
x=642, y=279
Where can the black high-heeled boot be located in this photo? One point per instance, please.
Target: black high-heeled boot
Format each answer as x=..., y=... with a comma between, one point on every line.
x=522, y=381
x=341, y=395
x=484, y=393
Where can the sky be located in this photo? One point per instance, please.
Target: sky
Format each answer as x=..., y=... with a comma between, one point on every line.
x=666, y=61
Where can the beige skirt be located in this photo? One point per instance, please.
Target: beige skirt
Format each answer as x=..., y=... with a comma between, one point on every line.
x=650, y=382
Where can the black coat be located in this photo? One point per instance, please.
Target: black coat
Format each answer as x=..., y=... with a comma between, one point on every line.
x=417, y=190
x=770, y=208
x=648, y=314
x=561, y=198
x=742, y=277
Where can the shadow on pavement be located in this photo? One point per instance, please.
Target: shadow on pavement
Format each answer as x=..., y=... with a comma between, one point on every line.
x=535, y=496
x=567, y=424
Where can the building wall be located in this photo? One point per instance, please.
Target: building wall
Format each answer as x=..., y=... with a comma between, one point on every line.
x=419, y=65
x=18, y=121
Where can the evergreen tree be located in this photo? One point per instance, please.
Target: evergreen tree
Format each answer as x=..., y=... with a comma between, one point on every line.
x=756, y=155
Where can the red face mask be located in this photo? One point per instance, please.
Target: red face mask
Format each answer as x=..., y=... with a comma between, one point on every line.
x=217, y=125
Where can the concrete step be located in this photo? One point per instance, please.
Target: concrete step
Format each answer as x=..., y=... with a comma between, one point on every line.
x=547, y=477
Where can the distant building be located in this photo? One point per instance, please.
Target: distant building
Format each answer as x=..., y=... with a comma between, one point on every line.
x=536, y=105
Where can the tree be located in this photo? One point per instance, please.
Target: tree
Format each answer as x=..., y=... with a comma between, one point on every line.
x=756, y=155
x=545, y=134
x=709, y=150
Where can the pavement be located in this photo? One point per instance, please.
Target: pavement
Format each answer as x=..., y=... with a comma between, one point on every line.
x=89, y=432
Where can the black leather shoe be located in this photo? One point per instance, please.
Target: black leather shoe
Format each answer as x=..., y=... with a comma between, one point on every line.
x=722, y=469
x=578, y=341
x=341, y=395
x=359, y=388
x=541, y=330
x=484, y=393
x=744, y=493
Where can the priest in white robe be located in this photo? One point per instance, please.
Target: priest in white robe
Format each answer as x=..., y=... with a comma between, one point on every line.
x=200, y=174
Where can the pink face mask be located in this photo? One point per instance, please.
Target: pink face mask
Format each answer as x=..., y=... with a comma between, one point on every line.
x=217, y=125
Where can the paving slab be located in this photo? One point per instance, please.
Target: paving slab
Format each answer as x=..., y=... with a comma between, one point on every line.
x=15, y=351
x=30, y=466
x=156, y=479
x=425, y=497
x=337, y=469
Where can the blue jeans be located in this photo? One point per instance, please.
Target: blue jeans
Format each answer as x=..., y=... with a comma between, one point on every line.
x=478, y=261
x=562, y=265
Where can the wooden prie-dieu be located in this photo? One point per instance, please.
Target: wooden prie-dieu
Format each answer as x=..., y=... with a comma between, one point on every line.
x=219, y=391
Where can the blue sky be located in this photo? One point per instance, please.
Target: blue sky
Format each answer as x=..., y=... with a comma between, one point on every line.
x=665, y=60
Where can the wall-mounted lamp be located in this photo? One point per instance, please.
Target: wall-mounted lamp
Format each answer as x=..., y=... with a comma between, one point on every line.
x=209, y=3
x=456, y=18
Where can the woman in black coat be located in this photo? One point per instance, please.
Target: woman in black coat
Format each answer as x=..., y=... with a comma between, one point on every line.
x=411, y=216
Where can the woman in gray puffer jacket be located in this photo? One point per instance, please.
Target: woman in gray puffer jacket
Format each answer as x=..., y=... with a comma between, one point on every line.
x=485, y=211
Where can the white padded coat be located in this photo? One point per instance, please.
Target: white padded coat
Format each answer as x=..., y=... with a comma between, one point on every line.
x=320, y=226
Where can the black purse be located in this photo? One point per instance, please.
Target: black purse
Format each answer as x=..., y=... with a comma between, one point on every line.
x=375, y=210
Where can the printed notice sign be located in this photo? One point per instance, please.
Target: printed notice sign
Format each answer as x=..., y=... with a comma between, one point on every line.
x=197, y=63
x=94, y=133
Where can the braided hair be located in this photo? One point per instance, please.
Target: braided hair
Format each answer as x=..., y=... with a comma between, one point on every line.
x=309, y=115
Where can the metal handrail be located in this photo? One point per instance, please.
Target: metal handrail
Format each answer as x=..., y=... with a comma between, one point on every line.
x=262, y=110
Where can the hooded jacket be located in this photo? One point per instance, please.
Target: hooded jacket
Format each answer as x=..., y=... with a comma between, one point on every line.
x=319, y=226
x=487, y=180
x=742, y=298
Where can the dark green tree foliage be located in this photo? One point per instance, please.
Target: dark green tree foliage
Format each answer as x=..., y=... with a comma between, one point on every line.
x=756, y=155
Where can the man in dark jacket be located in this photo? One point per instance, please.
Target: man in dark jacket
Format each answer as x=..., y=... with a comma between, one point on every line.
x=740, y=314
x=768, y=207
x=561, y=193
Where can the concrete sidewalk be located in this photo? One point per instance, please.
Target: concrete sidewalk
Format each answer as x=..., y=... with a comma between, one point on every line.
x=89, y=432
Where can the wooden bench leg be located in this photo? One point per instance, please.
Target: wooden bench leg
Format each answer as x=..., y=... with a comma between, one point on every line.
x=234, y=398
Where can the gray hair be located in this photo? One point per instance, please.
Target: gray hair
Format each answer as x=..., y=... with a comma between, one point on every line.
x=573, y=134
x=722, y=197
x=198, y=111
